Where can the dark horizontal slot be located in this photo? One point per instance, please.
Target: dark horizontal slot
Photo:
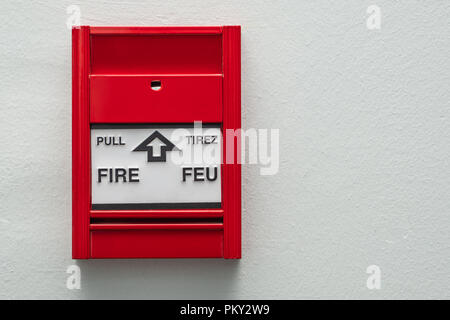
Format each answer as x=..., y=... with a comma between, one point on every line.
x=150, y=125
x=154, y=220
x=149, y=206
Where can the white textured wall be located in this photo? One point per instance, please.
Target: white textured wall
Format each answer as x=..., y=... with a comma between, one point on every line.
x=364, y=175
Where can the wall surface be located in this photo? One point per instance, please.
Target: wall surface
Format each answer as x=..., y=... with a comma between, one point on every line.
x=364, y=175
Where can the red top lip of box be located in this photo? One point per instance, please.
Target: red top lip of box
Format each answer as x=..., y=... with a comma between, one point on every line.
x=155, y=30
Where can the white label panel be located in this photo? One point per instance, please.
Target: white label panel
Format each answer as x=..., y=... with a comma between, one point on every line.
x=155, y=166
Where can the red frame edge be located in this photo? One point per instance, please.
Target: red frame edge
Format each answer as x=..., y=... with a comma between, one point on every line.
x=232, y=120
x=80, y=143
x=231, y=40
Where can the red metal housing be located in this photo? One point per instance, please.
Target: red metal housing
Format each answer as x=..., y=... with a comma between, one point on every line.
x=200, y=71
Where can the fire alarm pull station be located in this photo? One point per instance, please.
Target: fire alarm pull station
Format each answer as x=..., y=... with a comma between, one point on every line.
x=156, y=117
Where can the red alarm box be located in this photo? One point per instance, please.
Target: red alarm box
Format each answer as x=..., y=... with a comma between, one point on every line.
x=156, y=142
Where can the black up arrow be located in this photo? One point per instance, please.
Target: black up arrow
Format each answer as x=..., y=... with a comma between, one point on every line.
x=156, y=146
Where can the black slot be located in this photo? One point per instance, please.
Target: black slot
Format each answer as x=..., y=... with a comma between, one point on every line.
x=154, y=220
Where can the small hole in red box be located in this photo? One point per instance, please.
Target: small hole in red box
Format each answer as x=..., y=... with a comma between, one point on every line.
x=156, y=85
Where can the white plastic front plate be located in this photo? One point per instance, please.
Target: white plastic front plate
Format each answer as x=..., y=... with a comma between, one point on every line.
x=145, y=166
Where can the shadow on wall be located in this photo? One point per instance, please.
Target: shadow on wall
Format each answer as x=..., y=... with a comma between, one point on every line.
x=158, y=278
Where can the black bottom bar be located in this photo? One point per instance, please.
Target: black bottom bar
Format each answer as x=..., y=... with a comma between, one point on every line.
x=232, y=309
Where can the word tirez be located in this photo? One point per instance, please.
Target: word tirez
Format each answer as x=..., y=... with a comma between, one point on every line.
x=201, y=139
